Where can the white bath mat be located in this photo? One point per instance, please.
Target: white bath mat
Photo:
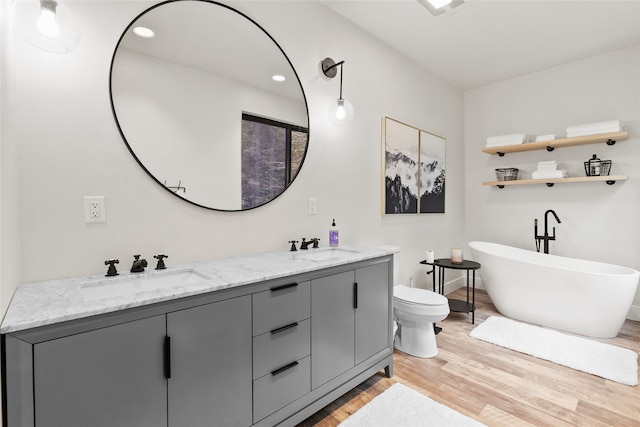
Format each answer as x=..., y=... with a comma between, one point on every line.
x=401, y=406
x=596, y=358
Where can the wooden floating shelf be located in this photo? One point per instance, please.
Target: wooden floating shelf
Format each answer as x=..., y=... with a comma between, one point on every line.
x=609, y=138
x=609, y=179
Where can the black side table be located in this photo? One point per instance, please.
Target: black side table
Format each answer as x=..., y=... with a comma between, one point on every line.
x=454, y=304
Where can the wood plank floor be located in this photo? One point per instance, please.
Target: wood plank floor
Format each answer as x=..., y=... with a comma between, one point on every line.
x=500, y=387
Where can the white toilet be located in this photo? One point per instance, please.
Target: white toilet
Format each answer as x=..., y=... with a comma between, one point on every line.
x=416, y=311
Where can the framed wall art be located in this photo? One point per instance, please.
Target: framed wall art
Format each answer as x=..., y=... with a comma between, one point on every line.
x=413, y=169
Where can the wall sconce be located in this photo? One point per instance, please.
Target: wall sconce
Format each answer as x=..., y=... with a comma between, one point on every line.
x=47, y=25
x=340, y=112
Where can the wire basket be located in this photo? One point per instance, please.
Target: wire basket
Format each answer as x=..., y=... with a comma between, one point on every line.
x=507, y=174
x=597, y=167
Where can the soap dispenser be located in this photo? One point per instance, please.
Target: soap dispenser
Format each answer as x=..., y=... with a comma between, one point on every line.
x=333, y=235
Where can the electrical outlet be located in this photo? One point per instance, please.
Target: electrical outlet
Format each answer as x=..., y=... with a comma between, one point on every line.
x=94, y=210
x=313, y=206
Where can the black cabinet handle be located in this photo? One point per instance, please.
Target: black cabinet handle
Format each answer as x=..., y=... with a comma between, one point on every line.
x=284, y=368
x=167, y=357
x=284, y=328
x=355, y=295
x=283, y=287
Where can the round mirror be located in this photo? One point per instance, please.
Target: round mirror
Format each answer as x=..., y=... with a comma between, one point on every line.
x=209, y=104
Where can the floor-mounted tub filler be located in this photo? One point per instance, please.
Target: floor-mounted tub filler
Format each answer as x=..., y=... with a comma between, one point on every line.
x=584, y=297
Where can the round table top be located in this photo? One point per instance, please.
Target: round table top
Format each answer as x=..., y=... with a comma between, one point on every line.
x=446, y=263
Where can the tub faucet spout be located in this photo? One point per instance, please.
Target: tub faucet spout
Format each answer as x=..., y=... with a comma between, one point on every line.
x=546, y=237
x=546, y=218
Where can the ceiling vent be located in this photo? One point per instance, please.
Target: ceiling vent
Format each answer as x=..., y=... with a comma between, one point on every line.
x=440, y=7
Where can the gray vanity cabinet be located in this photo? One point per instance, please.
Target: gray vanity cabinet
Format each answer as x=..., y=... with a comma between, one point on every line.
x=281, y=347
x=349, y=320
x=332, y=323
x=210, y=370
x=372, y=328
x=106, y=377
x=127, y=373
x=269, y=353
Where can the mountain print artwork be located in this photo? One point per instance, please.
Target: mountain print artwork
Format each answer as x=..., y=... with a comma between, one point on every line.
x=414, y=170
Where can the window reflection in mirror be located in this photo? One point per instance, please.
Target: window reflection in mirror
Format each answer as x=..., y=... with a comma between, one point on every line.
x=272, y=153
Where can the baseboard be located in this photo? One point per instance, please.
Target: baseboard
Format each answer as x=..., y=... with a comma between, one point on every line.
x=461, y=282
x=634, y=313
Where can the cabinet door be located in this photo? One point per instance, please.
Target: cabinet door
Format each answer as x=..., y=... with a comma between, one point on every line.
x=332, y=326
x=211, y=381
x=107, y=377
x=372, y=315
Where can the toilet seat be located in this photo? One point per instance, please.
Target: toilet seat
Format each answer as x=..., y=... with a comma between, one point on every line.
x=417, y=296
x=416, y=311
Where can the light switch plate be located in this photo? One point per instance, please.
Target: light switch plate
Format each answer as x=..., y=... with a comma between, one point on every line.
x=313, y=206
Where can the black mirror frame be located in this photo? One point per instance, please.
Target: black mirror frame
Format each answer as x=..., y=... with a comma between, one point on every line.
x=124, y=138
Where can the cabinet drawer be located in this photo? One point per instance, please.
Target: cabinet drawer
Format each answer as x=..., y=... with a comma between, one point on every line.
x=275, y=349
x=282, y=305
x=276, y=390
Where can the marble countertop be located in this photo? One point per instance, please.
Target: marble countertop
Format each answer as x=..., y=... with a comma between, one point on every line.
x=53, y=301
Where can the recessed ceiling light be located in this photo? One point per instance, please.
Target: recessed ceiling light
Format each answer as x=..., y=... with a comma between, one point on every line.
x=278, y=78
x=144, y=32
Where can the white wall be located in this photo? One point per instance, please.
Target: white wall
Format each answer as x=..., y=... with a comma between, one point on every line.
x=599, y=222
x=9, y=242
x=69, y=147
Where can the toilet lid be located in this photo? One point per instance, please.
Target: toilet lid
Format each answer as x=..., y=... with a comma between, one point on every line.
x=418, y=296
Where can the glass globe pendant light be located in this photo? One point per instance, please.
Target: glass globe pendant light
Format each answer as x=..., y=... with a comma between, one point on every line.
x=340, y=112
x=47, y=25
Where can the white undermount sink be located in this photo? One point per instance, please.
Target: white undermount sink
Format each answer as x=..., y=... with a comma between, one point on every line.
x=136, y=283
x=323, y=254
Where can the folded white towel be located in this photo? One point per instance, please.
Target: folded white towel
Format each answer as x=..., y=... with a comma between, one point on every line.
x=549, y=137
x=548, y=166
x=595, y=126
x=504, y=143
x=593, y=132
x=501, y=139
x=560, y=173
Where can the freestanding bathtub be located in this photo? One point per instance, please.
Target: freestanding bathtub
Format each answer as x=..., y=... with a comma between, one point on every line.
x=584, y=297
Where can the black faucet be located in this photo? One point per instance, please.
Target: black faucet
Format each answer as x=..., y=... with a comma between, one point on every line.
x=304, y=245
x=160, y=265
x=545, y=238
x=138, y=264
x=111, y=271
